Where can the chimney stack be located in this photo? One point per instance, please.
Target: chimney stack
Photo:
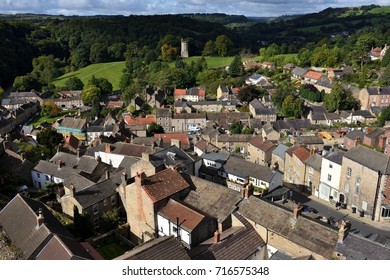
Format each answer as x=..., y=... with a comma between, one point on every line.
x=59, y=164
x=139, y=179
x=146, y=156
x=176, y=142
x=78, y=153
x=217, y=236
x=343, y=230
x=107, y=174
x=72, y=190
x=108, y=148
x=297, y=210
x=40, y=218
x=124, y=179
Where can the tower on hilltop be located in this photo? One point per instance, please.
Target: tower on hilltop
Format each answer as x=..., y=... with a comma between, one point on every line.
x=184, y=48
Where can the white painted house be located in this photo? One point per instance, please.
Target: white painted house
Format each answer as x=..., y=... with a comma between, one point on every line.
x=46, y=172
x=330, y=176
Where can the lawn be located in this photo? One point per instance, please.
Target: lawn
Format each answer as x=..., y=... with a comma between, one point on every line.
x=40, y=119
x=384, y=10
x=111, y=251
x=112, y=71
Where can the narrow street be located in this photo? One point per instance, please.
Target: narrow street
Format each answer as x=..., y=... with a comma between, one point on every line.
x=360, y=225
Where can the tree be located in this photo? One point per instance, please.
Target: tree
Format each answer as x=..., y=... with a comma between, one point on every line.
x=50, y=139
x=73, y=83
x=125, y=81
x=340, y=99
x=223, y=45
x=247, y=130
x=80, y=56
x=209, y=48
x=104, y=85
x=384, y=116
x=109, y=220
x=95, y=107
x=292, y=107
x=236, y=68
x=154, y=128
x=98, y=53
x=89, y=93
x=82, y=223
x=236, y=127
x=168, y=53
x=131, y=92
x=116, y=51
x=50, y=109
x=385, y=80
x=46, y=68
x=386, y=59
x=26, y=83
x=248, y=93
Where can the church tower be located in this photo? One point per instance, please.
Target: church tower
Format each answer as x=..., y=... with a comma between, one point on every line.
x=184, y=48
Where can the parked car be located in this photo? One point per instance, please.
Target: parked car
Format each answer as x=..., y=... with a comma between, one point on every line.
x=308, y=209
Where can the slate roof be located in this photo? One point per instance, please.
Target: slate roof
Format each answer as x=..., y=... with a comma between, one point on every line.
x=73, y=123
x=280, y=151
x=300, y=72
x=147, y=141
x=211, y=198
x=355, y=247
x=314, y=161
x=354, y=134
x=162, y=248
x=164, y=184
x=220, y=156
x=52, y=169
x=260, y=109
x=99, y=191
x=375, y=133
x=171, y=156
x=369, y=158
x=310, y=139
x=69, y=160
x=378, y=91
x=312, y=235
x=335, y=156
x=189, y=219
x=290, y=124
x=190, y=116
x=163, y=113
x=332, y=116
x=240, y=245
x=128, y=149
x=79, y=182
x=235, y=138
x=242, y=168
x=88, y=164
x=19, y=220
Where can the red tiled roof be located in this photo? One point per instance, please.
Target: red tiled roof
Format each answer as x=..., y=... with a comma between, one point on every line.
x=179, y=91
x=202, y=92
x=302, y=153
x=115, y=104
x=313, y=75
x=164, y=184
x=189, y=219
x=167, y=137
x=235, y=90
x=261, y=144
x=130, y=120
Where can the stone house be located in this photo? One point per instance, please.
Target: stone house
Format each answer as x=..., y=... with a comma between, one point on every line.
x=358, y=116
x=312, y=77
x=233, y=142
x=364, y=183
x=353, y=138
x=193, y=94
x=164, y=118
x=259, y=111
x=268, y=132
x=298, y=73
x=313, y=172
x=211, y=163
x=73, y=126
x=260, y=151
x=375, y=138
x=279, y=156
x=181, y=140
x=146, y=196
x=374, y=97
x=156, y=98
x=310, y=141
x=188, y=122
x=214, y=106
x=294, y=168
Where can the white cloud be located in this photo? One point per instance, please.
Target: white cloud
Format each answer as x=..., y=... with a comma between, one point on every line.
x=246, y=7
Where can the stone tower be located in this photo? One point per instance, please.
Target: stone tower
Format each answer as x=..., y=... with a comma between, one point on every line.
x=184, y=48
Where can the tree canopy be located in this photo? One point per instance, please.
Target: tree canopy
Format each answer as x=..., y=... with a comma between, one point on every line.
x=50, y=139
x=340, y=99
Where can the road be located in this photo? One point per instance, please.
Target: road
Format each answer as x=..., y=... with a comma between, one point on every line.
x=359, y=226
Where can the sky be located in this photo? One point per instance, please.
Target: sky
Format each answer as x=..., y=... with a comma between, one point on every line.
x=253, y=8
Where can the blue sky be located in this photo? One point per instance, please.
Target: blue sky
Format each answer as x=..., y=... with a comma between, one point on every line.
x=259, y=8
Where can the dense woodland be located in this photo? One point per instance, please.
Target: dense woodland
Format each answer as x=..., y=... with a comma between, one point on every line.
x=40, y=48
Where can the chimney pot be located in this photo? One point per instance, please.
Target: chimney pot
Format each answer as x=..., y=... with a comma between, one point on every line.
x=107, y=174
x=40, y=218
x=108, y=149
x=217, y=236
x=140, y=179
x=124, y=179
x=72, y=189
x=59, y=164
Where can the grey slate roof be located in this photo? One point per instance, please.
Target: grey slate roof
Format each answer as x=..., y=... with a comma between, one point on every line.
x=171, y=156
x=67, y=159
x=381, y=90
x=214, y=199
x=355, y=247
x=19, y=220
x=73, y=123
x=52, y=169
x=241, y=245
x=98, y=192
x=79, y=182
x=354, y=134
x=298, y=71
x=310, y=234
x=290, y=124
x=375, y=133
x=220, y=156
x=307, y=139
x=163, y=112
x=280, y=151
x=335, y=156
x=314, y=161
x=162, y=248
x=369, y=158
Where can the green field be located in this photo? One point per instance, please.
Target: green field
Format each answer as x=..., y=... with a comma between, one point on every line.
x=112, y=71
x=384, y=10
